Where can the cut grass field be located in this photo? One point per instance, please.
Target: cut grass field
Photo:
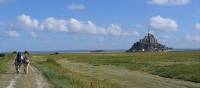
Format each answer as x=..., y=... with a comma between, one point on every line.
x=61, y=77
x=54, y=73
x=60, y=71
x=107, y=70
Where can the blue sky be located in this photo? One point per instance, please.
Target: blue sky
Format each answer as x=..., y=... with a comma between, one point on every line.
x=41, y=25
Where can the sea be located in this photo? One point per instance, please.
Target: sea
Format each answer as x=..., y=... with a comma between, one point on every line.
x=97, y=51
x=77, y=51
x=100, y=51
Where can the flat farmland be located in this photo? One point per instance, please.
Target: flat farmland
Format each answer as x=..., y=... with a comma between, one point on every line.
x=121, y=70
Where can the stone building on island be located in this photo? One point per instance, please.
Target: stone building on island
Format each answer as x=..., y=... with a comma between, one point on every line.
x=148, y=44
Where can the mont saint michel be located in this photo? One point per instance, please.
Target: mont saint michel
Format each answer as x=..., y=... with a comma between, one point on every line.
x=148, y=44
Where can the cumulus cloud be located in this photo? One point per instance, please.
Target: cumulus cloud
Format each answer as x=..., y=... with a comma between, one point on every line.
x=160, y=23
x=197, y=26
x=53, y=24
x=74, y=6
x=193, y=38
x=169, y=2
x=27, y=21
x=72, y=25
x=13, y=34
x=33, y=34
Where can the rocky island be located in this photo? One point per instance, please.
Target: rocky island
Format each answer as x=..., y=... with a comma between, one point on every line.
x=148, y=44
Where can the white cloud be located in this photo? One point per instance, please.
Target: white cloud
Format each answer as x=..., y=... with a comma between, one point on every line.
x=74, y=6
x=72, y=25
x=160, y=23
x=197, y=26
x=13, y=34
x=169, y=2
x=33, y=34
x=53, y=24
x=193, y=38
x=27, y=21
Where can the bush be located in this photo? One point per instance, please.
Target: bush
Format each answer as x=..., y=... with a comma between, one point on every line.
x=26, y=52
x=14, y=52
x=56, y=53
x=2, y=55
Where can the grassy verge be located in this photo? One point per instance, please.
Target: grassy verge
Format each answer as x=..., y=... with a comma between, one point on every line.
x=55, y=75
x=60, y=77
x=178, y=65
x=5, y=62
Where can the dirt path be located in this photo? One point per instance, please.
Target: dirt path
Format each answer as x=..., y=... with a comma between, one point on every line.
x=33, y=79
x=126, y=78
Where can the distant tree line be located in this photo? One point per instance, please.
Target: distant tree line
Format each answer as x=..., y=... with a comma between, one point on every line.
x=2, y=54
x=25, y=52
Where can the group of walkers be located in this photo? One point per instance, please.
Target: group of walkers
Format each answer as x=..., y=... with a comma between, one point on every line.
x=21, y=59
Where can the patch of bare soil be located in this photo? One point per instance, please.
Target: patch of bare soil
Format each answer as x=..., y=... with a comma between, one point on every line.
x=33, y=79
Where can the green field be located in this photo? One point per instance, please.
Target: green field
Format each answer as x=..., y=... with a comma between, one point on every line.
x=106, y=70
x=92, y=70
x=5, y=61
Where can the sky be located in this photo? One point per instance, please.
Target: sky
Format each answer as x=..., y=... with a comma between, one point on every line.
x=43, y=25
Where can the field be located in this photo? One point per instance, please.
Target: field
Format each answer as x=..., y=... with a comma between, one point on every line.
x=87, y=69
x=114, y=70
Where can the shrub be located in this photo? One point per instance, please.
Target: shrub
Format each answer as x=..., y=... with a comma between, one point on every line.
x=26, y=52
x=2, y=55
x=56, y=53
x=14, y=52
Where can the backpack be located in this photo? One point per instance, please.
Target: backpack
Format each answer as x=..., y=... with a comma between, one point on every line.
x=26, y=60
x=19, y=59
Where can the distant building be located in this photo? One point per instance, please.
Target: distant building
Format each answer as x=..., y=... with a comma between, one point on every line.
x=148, y=44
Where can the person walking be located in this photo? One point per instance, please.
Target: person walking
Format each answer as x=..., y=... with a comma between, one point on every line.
x=18, y=62
x=26, y=63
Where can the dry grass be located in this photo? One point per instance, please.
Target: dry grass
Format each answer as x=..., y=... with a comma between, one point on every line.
x=67, y=78
x=176, y=65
